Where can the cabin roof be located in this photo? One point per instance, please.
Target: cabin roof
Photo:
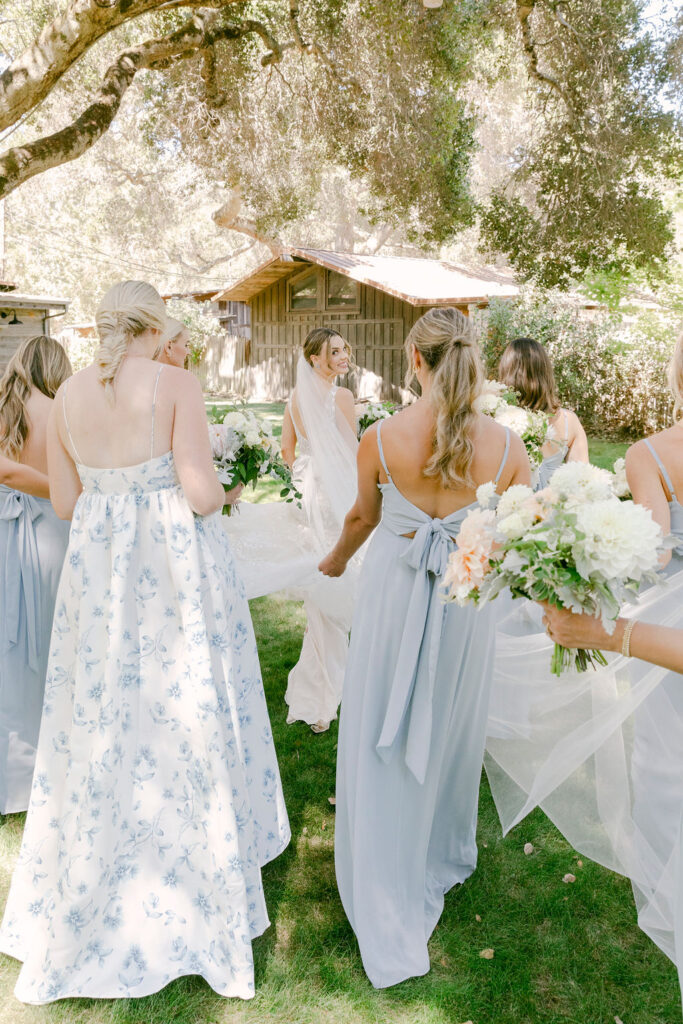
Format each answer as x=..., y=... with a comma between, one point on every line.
x=416, y=280
x=10, y=300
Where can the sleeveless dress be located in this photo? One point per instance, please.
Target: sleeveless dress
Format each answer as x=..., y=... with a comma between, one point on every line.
x=32, y=545
x=156, y=797
x=553, y=462
x=411, y=739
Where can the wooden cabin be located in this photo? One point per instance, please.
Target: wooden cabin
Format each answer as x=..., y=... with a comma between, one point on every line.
x=372, y=301
x=24, y=316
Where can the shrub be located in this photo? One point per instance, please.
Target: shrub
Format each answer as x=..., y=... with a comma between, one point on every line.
x=611, y=372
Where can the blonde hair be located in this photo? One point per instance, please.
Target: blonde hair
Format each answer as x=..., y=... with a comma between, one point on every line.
x=174, y=328
x=39, y=363
x=318, y=343
x=675, y=377
x=445, y=340
x=126, y=311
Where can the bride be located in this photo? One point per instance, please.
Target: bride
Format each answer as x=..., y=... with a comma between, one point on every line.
x=278, y=546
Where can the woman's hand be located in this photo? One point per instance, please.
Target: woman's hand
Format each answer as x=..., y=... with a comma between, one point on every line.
x=332, y=565
x=583, y=631
x=233, y=495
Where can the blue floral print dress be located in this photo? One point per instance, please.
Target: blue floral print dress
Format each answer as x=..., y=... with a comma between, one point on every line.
x=156, y=798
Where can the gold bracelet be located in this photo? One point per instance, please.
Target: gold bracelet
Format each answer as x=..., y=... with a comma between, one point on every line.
x=626, y=639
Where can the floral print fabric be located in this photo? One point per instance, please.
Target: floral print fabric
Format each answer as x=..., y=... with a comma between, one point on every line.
x=156, y=797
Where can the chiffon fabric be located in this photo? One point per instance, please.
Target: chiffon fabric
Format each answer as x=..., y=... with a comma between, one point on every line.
x=278, y=546
x=602, y=752
x=156, y=798
x=32, y=546
x=411, y=739
x=553, y=462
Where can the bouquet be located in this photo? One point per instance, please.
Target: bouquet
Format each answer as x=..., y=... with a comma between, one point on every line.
x=573, y=544
x=370, y=412
x=244, y=450
x=500, y=402
x=619, y=482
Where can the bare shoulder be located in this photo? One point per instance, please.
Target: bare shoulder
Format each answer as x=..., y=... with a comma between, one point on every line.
x=180, y=381
x=344, y=398
x=639, y=457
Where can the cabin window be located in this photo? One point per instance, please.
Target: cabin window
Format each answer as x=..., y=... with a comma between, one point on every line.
x=342, y=292
x=303, y=292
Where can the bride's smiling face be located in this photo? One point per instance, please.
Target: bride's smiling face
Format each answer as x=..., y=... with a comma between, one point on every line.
x=337, y=362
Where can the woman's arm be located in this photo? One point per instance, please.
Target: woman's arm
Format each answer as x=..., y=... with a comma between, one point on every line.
x=65, y=483
x=660, y=645
x=192, y=448
x=288, y=440
x=578, y=443
x=23, y=478
x=647, y=489
x=366, y=512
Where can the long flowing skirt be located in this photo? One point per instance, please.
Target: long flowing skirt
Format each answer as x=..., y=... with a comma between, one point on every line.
x=32, y=546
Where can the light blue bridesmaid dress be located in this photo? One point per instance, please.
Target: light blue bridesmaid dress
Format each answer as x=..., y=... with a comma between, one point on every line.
x=156, y=796
x=553, y=462
x=411, y=739
x=32, y=545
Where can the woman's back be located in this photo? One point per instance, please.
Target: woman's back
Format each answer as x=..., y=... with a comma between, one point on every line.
x=116, y=431
x=34, y=450
x=407, y=442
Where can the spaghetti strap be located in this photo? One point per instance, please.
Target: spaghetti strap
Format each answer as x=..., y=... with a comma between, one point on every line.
x=66, y=424
x=662, y=470
x=505, y=455
x=566, y=427
x=381, y=452
x=154, y=406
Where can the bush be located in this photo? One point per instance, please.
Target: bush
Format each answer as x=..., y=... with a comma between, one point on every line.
x=610, y=372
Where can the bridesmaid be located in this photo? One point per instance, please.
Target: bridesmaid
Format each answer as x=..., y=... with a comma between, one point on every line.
x=32, y=545
x=175, y=344
x=525, y=366
x=413, y=719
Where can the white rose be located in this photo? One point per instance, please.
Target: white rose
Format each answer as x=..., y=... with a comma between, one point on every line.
x=252, y=438
x=515, y=525
x=237, y=420
x=513, y=499
x=486, y=404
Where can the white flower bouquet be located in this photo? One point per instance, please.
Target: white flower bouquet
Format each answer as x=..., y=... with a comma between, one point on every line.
x=573, y=544
x=500, y=402
x=370, y=412
x=619, y=482
x=244, y=450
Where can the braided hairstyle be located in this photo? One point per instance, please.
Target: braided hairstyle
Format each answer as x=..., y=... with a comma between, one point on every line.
x=126, y=311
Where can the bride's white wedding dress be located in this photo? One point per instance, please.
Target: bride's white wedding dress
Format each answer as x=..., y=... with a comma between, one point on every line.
x=278, y=546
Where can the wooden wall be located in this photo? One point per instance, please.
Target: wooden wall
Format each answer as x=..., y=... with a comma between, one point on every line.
x=376, y=334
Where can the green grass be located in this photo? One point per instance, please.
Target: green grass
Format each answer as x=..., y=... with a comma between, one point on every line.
x=564, y=953
x=604, y=453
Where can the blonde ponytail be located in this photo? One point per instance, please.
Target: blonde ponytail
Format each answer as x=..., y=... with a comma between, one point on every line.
x=676, y=378
x=445, y=340
x=126, y=311
x=39, y=363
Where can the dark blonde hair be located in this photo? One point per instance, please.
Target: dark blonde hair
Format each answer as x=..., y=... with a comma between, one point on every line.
x=446, y=342
x=39, y=363
x=318, y=343
x=526, y=368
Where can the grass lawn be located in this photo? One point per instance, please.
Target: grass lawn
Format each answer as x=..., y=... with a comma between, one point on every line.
x=564, y=953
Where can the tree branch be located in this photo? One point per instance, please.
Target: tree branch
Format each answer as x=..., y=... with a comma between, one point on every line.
x=228, y=216
x=200, y=32
x=31, y=76
x=523, y=11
